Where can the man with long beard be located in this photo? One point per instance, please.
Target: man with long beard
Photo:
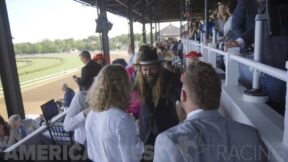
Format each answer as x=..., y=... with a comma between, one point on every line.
x=158, y=90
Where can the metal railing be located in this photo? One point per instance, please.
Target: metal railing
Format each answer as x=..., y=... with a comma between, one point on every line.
x=232, y=59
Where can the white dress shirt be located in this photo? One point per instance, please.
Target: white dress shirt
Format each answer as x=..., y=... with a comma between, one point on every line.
x=194, y=112
x=112, y=137
x=75, y=119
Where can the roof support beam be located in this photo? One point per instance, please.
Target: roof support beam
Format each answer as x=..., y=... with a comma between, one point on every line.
x=132, y=41
x=123, y=4
x=144, y=33
x=8, y=68
x=105, y=38
x=151, y=34
x=206, y=21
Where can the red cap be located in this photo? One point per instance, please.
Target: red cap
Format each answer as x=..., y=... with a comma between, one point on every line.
x=193, y=54
x=98, y=56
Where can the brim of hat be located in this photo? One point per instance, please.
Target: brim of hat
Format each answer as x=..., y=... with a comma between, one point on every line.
x=149, y=62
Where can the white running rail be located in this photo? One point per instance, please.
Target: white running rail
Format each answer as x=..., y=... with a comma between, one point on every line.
x=45, y=78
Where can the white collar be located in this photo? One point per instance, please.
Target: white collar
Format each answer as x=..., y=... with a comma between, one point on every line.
x=192, y=113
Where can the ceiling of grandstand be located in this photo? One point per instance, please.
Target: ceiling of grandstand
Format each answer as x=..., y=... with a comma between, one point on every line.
x=153, y=10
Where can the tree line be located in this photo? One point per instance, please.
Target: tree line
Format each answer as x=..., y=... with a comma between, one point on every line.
x=91, y=43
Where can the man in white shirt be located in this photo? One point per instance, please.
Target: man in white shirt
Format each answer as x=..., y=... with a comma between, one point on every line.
x=205, y=135
x=75, y=120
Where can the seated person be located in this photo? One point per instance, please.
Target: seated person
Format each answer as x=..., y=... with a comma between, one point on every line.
x=21, y=128
x=68, y=96
x=205, y=135
x=5, y=141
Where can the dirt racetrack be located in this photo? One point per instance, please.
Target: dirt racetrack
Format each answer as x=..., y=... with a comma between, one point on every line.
x=35, y=96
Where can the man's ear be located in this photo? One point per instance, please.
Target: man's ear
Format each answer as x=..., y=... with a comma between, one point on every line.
x=183, y=96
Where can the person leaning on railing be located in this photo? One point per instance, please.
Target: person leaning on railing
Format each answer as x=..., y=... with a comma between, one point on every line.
x=274, y=53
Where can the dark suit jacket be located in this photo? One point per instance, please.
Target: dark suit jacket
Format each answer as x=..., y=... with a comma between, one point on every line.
x=244, y=17
x=164, y=115
x=274, y=53
x=88, y=72
x=248, y=36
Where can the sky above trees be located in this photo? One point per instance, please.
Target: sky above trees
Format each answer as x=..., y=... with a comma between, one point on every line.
x=37, y=20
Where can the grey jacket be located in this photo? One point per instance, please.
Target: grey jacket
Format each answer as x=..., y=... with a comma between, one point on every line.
x=209, y=137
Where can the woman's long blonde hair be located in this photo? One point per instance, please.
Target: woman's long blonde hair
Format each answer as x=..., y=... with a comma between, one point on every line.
x=110, y=89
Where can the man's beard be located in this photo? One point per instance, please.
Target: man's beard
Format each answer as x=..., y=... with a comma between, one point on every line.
x=150, y=80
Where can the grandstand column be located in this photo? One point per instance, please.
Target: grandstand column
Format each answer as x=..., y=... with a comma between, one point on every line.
x=132, y=40
x=105, y=38
x=156, y=31
x=151, y=34
x=231, y=78
x=206, y=21
x=144, y=33
x=180, y=27
x=159, y=30
x=8, y=68
x=212, y=55
x=285, y=135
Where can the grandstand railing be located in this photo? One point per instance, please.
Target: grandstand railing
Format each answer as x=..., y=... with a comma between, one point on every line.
x=232, y=59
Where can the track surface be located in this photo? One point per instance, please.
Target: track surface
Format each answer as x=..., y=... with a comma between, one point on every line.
x=35, y=96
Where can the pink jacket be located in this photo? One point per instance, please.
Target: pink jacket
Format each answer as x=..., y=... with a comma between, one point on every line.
x=134, y=103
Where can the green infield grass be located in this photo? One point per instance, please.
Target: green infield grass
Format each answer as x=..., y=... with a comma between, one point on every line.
x=33, y=67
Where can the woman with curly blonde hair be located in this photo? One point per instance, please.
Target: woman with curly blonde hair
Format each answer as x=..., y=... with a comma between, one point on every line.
x=111, y=131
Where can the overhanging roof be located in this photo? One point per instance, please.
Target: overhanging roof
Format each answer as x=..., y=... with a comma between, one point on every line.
x=170, y=30
x=152, y=10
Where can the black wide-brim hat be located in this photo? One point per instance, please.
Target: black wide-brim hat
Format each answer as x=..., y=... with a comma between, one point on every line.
x=148, y=56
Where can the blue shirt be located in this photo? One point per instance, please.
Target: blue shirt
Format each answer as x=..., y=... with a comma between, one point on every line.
x=68, y=96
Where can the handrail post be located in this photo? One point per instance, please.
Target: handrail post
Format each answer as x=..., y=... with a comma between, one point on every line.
x=231, y=74
x=204, y=52
x=258, y=50
x=211, y=54
x=255, y=94
x=285, y=134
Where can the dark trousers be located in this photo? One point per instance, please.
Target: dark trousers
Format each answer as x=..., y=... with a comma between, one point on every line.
x=149, y=149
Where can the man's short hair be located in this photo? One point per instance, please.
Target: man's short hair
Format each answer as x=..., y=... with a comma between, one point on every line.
x=64, y=86
x=85, y=54
x=14, y=118
x=203, y=85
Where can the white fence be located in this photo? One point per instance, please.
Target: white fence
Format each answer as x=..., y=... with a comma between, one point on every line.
x=232, y=60
x=45, y=78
